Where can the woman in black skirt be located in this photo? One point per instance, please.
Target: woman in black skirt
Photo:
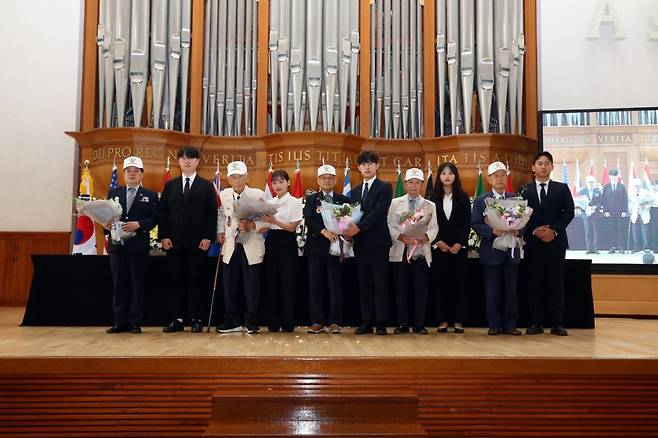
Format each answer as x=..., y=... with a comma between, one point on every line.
x=281, y=257
x=450, y=248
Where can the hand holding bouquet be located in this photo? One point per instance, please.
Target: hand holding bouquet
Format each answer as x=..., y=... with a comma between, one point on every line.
x=106, y=212
x=413, y=225
x=337, y=219
x=506, y=215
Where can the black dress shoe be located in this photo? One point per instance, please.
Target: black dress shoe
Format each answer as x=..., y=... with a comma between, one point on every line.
x=401, y=330
x=173, y=326
x=118, y=328
x=363, y=330
x=459, y=330
x=135, y=328
x=381, y=331
x=512, y=332
x=493, y=331
x=559, y=331
x=534, y=329
x=288, y=328
x=442, y=330
x=197, y=326
x=420, y=330
x=273, y=329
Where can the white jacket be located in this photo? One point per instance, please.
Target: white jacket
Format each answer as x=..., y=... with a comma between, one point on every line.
x=254, y=245
x=399, y=206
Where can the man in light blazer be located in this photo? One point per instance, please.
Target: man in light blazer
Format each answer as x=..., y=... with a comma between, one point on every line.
x=499, y=269
x=242, y=258
x=372, y=242
x=413, y=273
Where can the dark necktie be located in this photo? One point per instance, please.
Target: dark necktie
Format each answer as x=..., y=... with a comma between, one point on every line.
x=365, y=193
x=186, y=190
x=412, y=205
x=542, y=193
x=327, y=198
x=130, y=198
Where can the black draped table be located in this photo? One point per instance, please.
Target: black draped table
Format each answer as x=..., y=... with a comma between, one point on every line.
x=77, y=291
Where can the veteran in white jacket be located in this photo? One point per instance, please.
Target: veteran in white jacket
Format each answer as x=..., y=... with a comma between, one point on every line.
x=411, y=254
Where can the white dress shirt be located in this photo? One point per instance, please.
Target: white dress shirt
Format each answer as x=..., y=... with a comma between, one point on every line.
x=537, y=184
x=289, y=212
x=191, y=177
x=369, y=182
x=447, y=205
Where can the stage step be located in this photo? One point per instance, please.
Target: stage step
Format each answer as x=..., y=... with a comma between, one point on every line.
x=267, y=411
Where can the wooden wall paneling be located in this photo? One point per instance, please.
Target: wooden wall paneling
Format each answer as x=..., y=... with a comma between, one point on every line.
x=364, y=69
x=625, y=294
x=89, y=96
x=16, y=265
x=263, y=65
x=196, y=67
x=429, y=68
x=531, y=92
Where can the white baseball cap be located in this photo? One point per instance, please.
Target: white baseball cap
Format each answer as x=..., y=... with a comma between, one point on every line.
x=414, y=172
x=236, y=168
x=495, y=167
x=133, y=162
x=326, y=169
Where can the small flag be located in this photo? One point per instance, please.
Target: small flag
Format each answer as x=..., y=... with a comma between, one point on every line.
x=347, y=187
x=565, y=173
x=605, y=178
x=86, y=183
x=479, y=187
x=591, y=167
x=297, y=191
x=165, y=177
x=631, y=174
x=429, y=189
x=646, y=177
x=84, y=235
x=399, y=187
x=114, y=183
x=576, y=180
x=508, y=180
x=269, y=190
x=217, y=183
x=619, y=176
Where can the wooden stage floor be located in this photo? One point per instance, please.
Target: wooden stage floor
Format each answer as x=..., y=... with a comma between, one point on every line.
x=613, y=338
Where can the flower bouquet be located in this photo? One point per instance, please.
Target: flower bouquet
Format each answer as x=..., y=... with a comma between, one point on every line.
x=105, y=211
x=252, y=209
x=337, y=219
x=413, y=224
x=474, y=241
x=511, y=214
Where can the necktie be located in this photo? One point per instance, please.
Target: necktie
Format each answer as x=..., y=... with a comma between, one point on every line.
x=365, y=193
x=327, y=198
x=542, y=193
x=130, y=198
x=186, y=190
x=412, y=204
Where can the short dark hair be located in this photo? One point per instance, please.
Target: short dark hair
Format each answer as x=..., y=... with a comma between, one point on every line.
x=367, y=157
x=280, y=174
x=613, y=172
x=540, y=154
x=188, y=151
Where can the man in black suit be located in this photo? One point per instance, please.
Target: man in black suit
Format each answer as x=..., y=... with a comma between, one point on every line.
x=372, y=242
x=546, y=244
x=614, y=202
x=128, y=257
x=323, y=268
x=187, y=225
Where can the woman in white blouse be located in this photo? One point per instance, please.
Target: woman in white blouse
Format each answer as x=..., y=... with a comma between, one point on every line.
x=281, y=257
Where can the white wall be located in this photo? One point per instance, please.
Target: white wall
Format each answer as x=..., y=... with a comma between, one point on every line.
x=40, y=65
x=580, y=73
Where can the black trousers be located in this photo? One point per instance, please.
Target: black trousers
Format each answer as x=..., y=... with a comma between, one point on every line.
x=372, y=268
x=236, y=273
x=281, y=270
x=412, y=275
x=187, y=268
x=500, y=286
x=128, y=291
x=325, y=272
x=449, y=282
x=590, y=225
x=546, y=285
x=619, y=232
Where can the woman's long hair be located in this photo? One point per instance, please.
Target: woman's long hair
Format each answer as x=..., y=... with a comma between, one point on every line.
x=457, y=189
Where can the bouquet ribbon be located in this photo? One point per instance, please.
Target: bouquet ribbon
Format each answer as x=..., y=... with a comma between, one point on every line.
x=410, y=254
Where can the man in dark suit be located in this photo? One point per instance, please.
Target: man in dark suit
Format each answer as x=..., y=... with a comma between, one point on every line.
x=499, y=268
x=187, y=225
x=546, y=244
x=614, y=203
x=128, y=257
x=372, y=242
x=590, y=214
x=323, y=268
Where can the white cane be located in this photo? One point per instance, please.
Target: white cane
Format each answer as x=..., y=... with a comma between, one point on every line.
x=214, y=289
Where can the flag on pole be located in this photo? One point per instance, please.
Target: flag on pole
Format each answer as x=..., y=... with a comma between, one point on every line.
x=297, y=191
x=217, y=183
x=646, y=177
x=576, y=180
x=619, y=175
x=565, y=173
x=429, y=190
x=114, y=183
x=269, y=190
x=632, y=174
x=605, y=178
x=165, y=178
x=84, y=235
x=399, y=187
x=479, y=186
x=347, y=187
x=508, y=180
x=591, y=167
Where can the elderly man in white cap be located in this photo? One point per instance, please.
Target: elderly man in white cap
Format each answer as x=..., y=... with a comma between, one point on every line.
x=591, y=197
x=411, y=255
x=128, y=257
x=499, y=269
x=243, y=258
x=324, y=270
